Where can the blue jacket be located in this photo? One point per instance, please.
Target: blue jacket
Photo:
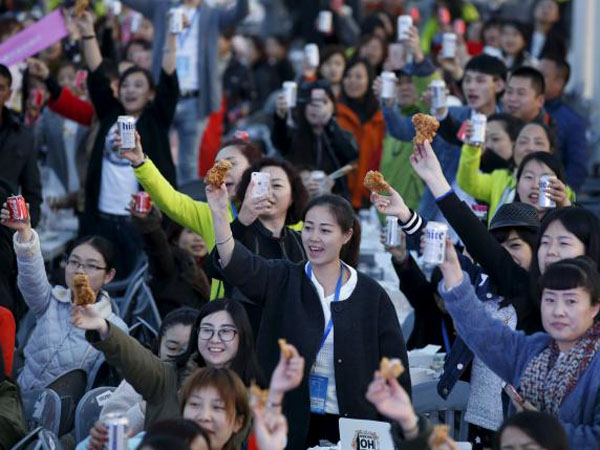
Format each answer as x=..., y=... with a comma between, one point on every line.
x=508, y=353
x=572, y=143
x=211, y=22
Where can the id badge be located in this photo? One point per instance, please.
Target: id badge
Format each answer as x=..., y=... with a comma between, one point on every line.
x=183, y=66
x=318, y=393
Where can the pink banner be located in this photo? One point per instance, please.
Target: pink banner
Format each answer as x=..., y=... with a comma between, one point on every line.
x=33, y=39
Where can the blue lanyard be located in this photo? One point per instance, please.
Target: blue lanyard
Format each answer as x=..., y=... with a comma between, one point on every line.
x=445, y=336
x=234, y=211
x=336, y=297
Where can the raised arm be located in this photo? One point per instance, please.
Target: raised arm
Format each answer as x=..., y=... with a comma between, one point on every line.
x=468, y=176
x=90, y=47
x=170, y=54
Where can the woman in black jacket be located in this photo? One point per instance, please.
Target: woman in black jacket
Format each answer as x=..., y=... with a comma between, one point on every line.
x=343, y=342
x=316, y=140
x=110, y=181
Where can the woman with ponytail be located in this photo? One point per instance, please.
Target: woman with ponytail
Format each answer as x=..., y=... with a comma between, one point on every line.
x=342, y=343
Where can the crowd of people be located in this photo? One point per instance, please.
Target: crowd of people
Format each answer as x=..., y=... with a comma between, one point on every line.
x=255, y=278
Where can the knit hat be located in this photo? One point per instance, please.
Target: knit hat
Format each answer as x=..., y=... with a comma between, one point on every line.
x=515, y=214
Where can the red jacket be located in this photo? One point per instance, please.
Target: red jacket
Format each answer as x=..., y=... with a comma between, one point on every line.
x=72, y=107
x=7, y=338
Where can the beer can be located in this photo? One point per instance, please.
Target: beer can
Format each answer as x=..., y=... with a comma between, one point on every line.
x=448, y=45
x=290, y=91
x=479, y=122
x=391, y=232
x=325, y=22
x=404, y=23
x=319, y=176
x=127, y=132
x=388, y=86
x=117, y=427
x=136, y=21
x=176, y=21
x=544, y=200
x=438, y=94
x=311, y=55
x=17, y=208
x=262, y=184
x=435, y=243
x=142, y=202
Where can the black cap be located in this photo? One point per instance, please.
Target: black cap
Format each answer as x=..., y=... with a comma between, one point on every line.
x=517, y=214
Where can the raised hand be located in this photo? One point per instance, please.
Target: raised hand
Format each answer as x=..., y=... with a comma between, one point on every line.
x=218, y=199
x=281, y=106
x=271, y=431
x=38, y=68
x=19, y=225
x=413, y=44
x=399, y=251
x=391, y=205
x=558, y=193
x=85, y=23
x=391, y=400
x=253, y=207
x=288, y=373
x=135, y=156
x=451, y=268
x=86, y=317
x=425, y=162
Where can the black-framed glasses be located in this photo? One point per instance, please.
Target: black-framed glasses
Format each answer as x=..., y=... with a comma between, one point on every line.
x=75, y=265
x=224, y=334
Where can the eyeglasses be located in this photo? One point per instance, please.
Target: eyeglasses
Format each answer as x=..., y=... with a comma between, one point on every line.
x=225, y=334
x=75, y=265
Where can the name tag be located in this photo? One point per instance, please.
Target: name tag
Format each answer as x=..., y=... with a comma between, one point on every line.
x=317, y=386
x=183, y=66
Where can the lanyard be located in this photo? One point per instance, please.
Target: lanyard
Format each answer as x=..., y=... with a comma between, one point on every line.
x=184, y=35
x=445, y=336
x=336, y=297
x=234, y=211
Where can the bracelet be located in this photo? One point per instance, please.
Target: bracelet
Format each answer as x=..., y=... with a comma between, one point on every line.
x=414, y=429
x=135, y=166
x=273, y=405
x=226, y=240
x=90, y=36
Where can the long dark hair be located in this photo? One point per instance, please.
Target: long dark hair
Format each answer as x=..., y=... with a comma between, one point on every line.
x=543, y=428
x=299, y=194
x=545, y=158
x=173, y=434
x=366, y=107
x=344, y=215
x=245, y=362
x=101, y=245
x=180, y=316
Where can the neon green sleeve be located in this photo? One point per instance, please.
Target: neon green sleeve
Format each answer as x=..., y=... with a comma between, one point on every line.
x=468, y=176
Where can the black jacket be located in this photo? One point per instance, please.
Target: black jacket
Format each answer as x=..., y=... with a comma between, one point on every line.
x=366, y=329
x=152, y=125
x=18, y=162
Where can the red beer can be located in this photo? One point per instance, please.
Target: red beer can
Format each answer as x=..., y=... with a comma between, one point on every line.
x=142, y=202
x=17, y=208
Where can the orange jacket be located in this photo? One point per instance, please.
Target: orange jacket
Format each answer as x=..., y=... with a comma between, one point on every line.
x=369, y=137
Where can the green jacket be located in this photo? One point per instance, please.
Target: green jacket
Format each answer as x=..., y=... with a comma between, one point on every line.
x=12, y=423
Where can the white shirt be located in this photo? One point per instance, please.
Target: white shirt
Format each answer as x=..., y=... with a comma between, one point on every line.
x=324, y=365
x=187, y=52
x=537, y=44
x=70, y=129
x=117, y=183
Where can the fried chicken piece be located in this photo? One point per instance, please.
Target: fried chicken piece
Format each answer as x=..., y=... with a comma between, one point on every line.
x=375, y=182
x=439, y=436
x=287, y=353
x=391, y=368
x=80, y=7
x=425, y=126
x=258, y=396
x=216, y=175
x=82, y=292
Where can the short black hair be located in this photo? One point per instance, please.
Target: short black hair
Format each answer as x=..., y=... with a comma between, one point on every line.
x=545, y=158
x=572, y=273
x=101, y=245
x=511, y=124
x=136, y=69
x=533, y=75
x=487, y=64
x=543, y=428
x=562, y=66
x=110, y=68
x=5, y=73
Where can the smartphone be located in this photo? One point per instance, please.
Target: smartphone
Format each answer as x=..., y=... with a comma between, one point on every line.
x=80, y=79
x=513, y=394
x=262, y=184
x=396, y=56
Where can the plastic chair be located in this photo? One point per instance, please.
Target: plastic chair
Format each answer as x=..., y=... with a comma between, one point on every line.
x=408, y=325
x=143, y=332
x=115, y=288
x=42, y=408
x=88, y=410
x=146, y=308
x=129, y=299
x=103, y=374
x=451, y=412
x=70, y=387
x=39, y=439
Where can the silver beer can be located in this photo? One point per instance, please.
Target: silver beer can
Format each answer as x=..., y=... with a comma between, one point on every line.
x=438, y=94
x=479, y=122
x=448, y=45
x=388, y=85
x=176, y=21
x=435, y=243
x=403, y=24
x=391, y=232
x=290, y=92
x=117, y=427
x=311, y=55
x=544, y=200
x=127, y=132
x=325, y=22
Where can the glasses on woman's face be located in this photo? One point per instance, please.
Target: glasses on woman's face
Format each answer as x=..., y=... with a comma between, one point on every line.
x=73, y=264
x=224, y=334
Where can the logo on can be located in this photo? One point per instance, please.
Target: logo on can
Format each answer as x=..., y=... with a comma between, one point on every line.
x=391, y=232
x=544, y=200
x=176, y=22
x=448, y=45
x=479, y=122
x=17, y=208
x=142, y=202
x=117, y=427
x=438, y=94
x=435, y=243
x=403, y=24
x=388, y=85
x=290, y=92
x=311, y=55
x=325, y=22
x=127, y=132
